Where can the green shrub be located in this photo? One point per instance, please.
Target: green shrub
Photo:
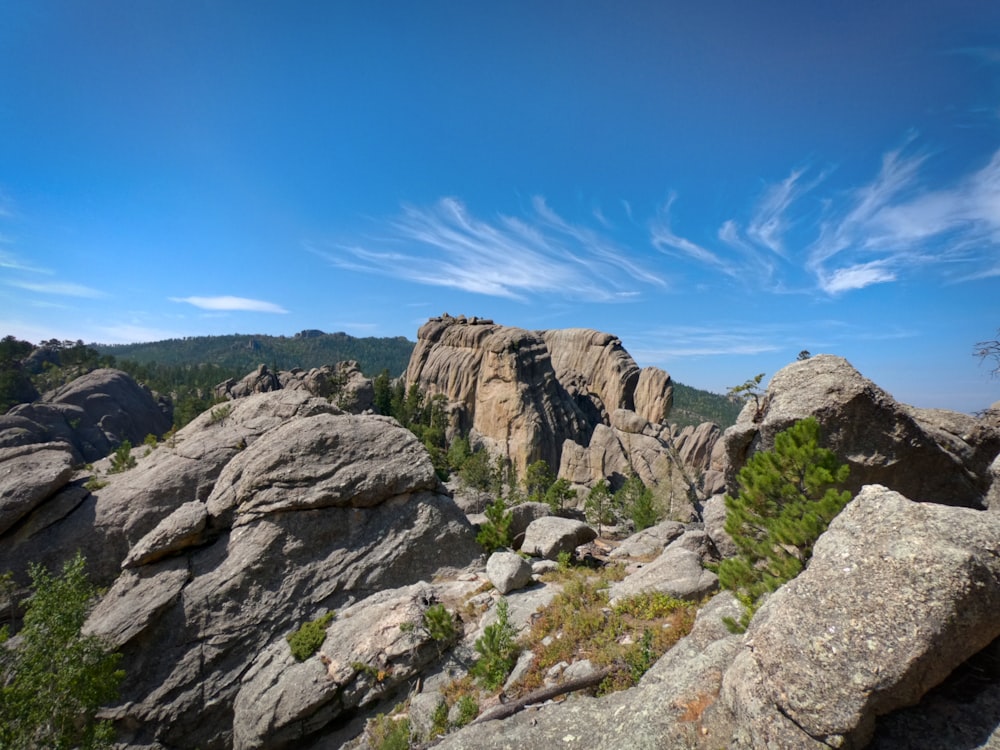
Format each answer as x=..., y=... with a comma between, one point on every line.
x=468, y=709
x=220, y=413
x=636, y=502
x=787, y=498
x=497, y=650
x=306, y=641
x=439, y=623
x=123, y=460
x=55, y=680
x=494, y=534
x=386, y=733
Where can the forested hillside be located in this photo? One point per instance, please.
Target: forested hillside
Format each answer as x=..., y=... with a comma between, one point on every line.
x=693, y=406
x=242, y=353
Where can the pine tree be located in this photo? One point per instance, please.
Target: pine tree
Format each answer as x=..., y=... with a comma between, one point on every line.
x=787, y=498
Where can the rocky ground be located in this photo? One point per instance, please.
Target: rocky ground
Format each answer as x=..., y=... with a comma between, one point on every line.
x=280, y=507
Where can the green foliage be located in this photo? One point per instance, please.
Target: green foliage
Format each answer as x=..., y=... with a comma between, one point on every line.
x=54, y=681
x=468, y=709
x=439, y=720
x=598, y=506
x=747, y=391
x=578, y=624
x=220, y=414
x=787, y=498
x=636, y=501
x=306, y=641
x=242, y=353
x=538, y=477
x=693, y=406
x=804, y=355
x=93, y=484
x=558, y=494
x=494, y=533
x=386, y=733
x=497, y=650
x=122, y=460
x=439, y=623
x=563, y=560
x=151, y=441
x=649, y=605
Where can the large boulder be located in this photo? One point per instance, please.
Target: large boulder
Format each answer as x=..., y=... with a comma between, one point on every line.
x=921, y=453
x=30, y=475
x=93, y=414
x=548, y=537
x=508, y=571
x=897, y=595
x=316, y=513
x=105, y=520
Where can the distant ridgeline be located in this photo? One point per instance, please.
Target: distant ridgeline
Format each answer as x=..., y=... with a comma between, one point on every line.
x=693, y=406
x=243, y=353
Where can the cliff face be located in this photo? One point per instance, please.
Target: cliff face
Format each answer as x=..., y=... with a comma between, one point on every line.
x=501, y=387
x=523, y=393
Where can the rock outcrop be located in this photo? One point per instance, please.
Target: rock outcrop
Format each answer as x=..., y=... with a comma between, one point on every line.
x=315, y=511
x=833, y=649
x=93, y=415
x=524, y=393
x=921, y=453
x=343, y=384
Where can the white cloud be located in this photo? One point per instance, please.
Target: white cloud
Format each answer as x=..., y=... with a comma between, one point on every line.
x=664, y=239
x=63, y=289
x=857, y=277
x=12, y=262
x=511, y=257
x=231, y=304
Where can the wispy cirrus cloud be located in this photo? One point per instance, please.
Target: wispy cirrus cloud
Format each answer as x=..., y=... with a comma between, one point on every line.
x=512, y=257
x=887, y=229
x=231, y=304
x=11, y=262
x=666, y=240
x=57, y=288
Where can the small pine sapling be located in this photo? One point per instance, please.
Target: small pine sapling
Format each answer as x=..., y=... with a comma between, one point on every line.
x=787, y=498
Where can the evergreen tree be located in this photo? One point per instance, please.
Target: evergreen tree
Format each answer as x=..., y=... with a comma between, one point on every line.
x=787, y=498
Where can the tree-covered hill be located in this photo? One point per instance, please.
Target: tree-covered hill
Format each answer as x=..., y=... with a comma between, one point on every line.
x=693, y=406
x=243, y=353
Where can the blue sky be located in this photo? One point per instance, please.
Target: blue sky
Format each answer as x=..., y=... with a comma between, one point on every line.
x=720, y=184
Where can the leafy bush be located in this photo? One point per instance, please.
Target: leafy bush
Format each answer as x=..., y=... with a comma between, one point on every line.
x=636, y=500
x=497, y=650
x=53, y=682
x=468, y=709
x=494, y=534
x=787, y=498
x=122, y=460
x=219, y=414
x=306, y=641
x=439, y=623
x=386, y=733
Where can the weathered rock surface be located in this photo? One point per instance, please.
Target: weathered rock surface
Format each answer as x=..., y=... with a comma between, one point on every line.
x=713, y=515
x=671, y=707
x=93, y=414
x=342, y=383
x=105, y=523
x=500, y=385
x=921, y=453
x=30, y=475
x=897, y=594
x=523, y=394
x=594, y=368
x=508, y=571
x=678, y=572
x=650, y=542
x=316, y=513
x=547, y=537
x=368, y=653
